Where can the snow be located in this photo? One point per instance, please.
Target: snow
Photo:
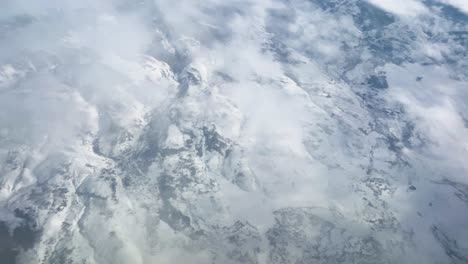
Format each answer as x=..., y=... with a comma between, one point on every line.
x=175, y=138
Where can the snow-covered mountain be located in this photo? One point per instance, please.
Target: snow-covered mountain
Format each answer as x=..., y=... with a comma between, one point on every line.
x=240, y=131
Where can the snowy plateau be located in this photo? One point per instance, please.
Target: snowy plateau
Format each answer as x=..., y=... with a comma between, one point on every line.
x=233, y=131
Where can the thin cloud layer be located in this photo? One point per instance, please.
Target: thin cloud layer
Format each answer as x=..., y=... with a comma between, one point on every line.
x=460, y=4
x=233, y=132
x=404, y=8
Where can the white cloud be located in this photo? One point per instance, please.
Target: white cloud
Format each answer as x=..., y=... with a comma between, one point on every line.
x=403, y=8
x=79, y=71
x=460, y=4
x=437, y=104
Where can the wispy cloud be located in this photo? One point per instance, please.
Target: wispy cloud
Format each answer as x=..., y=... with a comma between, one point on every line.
x=460, y=4
x=404, y=8
x=172, y=131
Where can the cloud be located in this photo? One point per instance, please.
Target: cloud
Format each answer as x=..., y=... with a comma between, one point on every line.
x=165, y=123
x=437, y=104
x=460, y=4
x=403, y=8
